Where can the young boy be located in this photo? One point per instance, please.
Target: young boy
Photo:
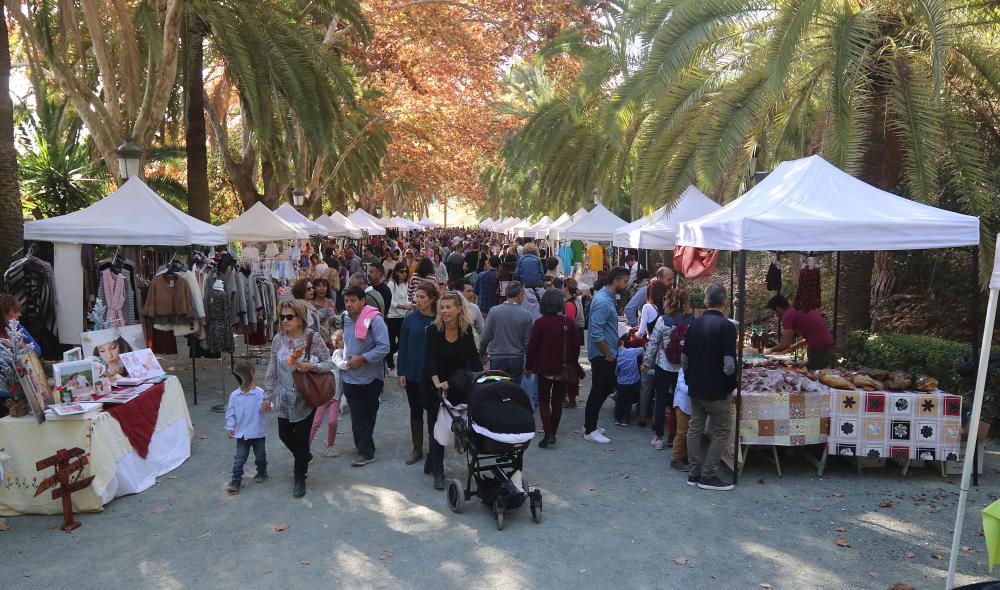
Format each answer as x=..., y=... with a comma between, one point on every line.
x=245, y=422
x=627, y=376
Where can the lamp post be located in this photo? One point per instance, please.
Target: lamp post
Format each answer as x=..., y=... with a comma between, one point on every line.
x=298, y=197
x=129, y=160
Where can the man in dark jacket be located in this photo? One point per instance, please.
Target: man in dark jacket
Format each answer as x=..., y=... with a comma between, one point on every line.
x=709, y=361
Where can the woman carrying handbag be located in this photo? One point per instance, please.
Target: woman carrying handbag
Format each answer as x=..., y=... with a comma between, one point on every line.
x=553, y=353
x=298, y=380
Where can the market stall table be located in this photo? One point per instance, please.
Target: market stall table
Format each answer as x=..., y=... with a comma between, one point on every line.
x=782, y=420
x=116, y=464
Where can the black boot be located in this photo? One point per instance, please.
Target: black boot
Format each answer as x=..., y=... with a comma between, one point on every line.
x=299, y=489
x=417, y=435
x=544, y=442
x=439, y=479
x=427, y=464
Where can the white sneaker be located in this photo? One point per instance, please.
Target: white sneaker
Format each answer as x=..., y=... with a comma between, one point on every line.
x=583, y=430
x=597, y=437
x=330, y=452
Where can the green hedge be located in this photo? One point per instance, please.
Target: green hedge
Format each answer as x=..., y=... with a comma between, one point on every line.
x=931, y=356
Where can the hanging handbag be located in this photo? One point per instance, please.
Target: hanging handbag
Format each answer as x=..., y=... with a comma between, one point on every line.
x=569, y=374
x=315, y=388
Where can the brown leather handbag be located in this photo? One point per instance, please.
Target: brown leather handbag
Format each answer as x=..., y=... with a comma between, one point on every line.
x=316, y=388
x=569, y=374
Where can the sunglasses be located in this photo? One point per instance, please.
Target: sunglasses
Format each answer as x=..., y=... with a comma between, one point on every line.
x=308, y=287
x=287, y=318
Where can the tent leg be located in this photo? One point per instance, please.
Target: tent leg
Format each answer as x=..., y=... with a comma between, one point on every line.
x=194, y=377
x=973, y=332
x=740, y=313
x=732, y=284
x=968, y=466
x=836, y=297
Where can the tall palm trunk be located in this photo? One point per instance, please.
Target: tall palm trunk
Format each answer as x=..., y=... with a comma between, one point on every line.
x=11, y=219
x=196, y=138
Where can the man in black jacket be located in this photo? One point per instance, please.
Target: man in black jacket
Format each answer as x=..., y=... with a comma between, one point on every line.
x=710, y=371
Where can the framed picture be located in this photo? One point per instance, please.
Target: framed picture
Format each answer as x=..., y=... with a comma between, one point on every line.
x=141, y=364
x=73, y=354
x=107, y=345
x=35, y=384
x=78, y=376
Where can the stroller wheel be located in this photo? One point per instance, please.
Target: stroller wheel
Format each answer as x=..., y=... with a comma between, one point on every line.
x=456, y=496
x=499, y=515
x=536, y=506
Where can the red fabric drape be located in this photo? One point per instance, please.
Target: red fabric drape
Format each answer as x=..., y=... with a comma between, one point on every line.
x=138, y=418
x=695, y=262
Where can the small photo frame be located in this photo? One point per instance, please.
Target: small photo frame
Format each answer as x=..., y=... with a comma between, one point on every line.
x=79, y=376
x=141, y=364
x=35, y=384
x=73, y=354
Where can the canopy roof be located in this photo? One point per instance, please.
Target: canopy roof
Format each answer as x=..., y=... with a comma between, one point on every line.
x=366, y=215
x=522, y=225
x=428, y=222
x=810, y=204
x=292, y=216
x=260, y=224
x=644, y=220
x=660, y=231
x=599, y=225
x=540, y=228
x=506, y=225
x=484, y=224
x=133, y=215
x=555, y=230
x=401, y=223
x=338, y=226
x=367, y=222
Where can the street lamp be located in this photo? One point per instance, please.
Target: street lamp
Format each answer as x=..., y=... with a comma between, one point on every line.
x=298, y=197
x=129, y=160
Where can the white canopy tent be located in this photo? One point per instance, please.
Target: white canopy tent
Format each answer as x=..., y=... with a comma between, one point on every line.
x=540, y=227
x=361, y=213
x=810, y=204
x=506, y=225
x=133, y=215
x=396, y=222
x=622, y=232
x=599, y=225
x=660, y=231
x=555, y=230
x=520, y=227
x=367, y=222
x=340, y=227
x=497, y=226
x=430, y=224
x=484, y=224
x=260, y=224
x=292, y=216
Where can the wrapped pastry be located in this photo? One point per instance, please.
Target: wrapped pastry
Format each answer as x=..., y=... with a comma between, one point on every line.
x=876, y=374
x=827, y=377
x=925, y=383
x=900, y=381
x=867, y=383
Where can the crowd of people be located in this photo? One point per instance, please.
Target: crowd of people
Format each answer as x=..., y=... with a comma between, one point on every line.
x=422, y=308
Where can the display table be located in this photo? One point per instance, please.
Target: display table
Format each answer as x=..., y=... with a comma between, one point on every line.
x=118, y=469
x=778, y=420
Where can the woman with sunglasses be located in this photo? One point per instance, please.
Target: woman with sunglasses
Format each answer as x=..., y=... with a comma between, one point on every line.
x=451, y=347
x=399, y=305
x=303, y=290
x=288, y=355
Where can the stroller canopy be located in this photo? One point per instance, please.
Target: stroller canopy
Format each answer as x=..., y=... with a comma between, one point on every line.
x=501, y=407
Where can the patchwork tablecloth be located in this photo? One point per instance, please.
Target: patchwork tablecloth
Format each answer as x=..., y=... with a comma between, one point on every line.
x=784, y=419
x=907, y=425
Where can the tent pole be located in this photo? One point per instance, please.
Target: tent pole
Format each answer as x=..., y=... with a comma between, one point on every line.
x=732, y=284
x=740, y=313
x=974, y=321
x=968, y=466
x=836, y=297
x=194, y=377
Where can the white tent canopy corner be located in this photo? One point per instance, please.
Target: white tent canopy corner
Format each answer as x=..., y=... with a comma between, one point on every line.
x=367, y=222
x=556, y=229
x=542, y=225
x=810, y=204
x=341, y=227
x=660, y=231
x=260, y=224
x=292, y=216
x=430, y=223
x=599, y=225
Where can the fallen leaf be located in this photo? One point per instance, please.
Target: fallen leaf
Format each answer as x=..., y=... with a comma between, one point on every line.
x=765, y=585
x=281, y=527
x=843, y=542
x=609, y=450
x=885, y=504
x=910, y=555
x=203, y=437
x=873, y=574
x=762, y=482
x=643, y=490
x=966, y=549
x=159, y=510
x=305, y=562
x=816, y=509
x=840, y=529
x=591, y=488
x=681, y=561
x=52, y=527
x=385, y=555
x=4, y=526
x=838, y=494
x=938, y=557
x=932, y=510
x=267, y=572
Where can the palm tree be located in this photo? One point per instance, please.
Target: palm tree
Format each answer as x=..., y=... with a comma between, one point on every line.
x=878, y=87
x=11, y=228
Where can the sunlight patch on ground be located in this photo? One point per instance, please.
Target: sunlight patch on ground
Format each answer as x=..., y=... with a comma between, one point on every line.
x=158, y=575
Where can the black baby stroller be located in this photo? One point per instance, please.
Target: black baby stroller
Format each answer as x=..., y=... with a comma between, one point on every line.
x=494, y=436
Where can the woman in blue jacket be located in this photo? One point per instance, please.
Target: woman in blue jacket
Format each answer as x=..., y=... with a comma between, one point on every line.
x=529, y=269
x=410, y=364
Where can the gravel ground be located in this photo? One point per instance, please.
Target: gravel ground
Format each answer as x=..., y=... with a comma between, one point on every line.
x=615, y=516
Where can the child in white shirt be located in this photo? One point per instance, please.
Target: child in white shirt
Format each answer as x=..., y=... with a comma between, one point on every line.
x=245, y=422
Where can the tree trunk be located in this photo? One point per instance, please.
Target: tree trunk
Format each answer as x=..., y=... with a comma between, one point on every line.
x=196, y=138
x=885, y=277
x=11, y=218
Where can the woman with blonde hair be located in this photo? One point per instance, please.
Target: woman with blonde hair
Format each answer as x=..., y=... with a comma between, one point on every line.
x=288, y=355
x=451, y=347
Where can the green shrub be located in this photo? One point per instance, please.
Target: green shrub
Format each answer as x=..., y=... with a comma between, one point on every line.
x=927, y=355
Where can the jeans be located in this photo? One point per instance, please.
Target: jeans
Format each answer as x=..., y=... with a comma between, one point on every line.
x=550, y=403
x=664, y=384
x=627, y=393
x=395, y=326
x=364, y=401
x=719, y=412
x=331, y=412
x=646, y=394
x=243, y=446
x=514, y=367
x=414, y=397
x=295, y=435
x=602, y=384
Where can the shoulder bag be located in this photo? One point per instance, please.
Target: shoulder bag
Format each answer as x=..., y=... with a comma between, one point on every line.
x=315, y=388
x=568, y=374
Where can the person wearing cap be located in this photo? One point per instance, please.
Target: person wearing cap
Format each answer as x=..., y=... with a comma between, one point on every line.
x=506, y=333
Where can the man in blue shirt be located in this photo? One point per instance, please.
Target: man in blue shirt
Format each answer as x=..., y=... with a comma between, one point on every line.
x=486, y=285
x=365, y=374
x=602, y=350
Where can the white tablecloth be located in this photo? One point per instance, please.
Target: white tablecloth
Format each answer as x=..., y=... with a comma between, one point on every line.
x=117, y=468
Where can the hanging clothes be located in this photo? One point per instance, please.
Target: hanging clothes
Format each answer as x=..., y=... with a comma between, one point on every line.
x=808, y=295
x=774, y=276
x=218, y=329
x=30, y=279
